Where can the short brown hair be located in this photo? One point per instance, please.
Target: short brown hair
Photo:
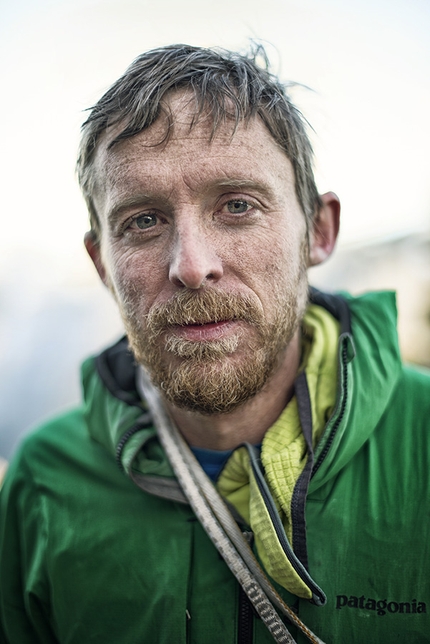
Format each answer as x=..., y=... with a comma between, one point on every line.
x=227, y=84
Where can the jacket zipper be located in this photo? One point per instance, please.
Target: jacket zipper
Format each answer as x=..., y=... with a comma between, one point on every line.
x=245, y=622
x=341, y=413
x=142, y=422
x=318, y=595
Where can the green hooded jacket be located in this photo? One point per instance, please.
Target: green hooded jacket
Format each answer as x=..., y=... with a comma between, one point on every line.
x=87, y=556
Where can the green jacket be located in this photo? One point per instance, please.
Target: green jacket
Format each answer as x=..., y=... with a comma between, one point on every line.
x=87, y=556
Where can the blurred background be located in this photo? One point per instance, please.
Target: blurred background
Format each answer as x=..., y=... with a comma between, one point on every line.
x=367, y=63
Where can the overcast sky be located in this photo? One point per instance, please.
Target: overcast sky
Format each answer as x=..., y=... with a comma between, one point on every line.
x=368, y=63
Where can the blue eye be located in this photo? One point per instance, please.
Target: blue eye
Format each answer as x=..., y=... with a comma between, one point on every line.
x=145, y=221
x=237, y=206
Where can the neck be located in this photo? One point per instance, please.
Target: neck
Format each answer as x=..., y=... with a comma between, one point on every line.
x=250, y=421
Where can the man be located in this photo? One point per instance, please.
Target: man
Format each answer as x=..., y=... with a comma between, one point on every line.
x=196, y=169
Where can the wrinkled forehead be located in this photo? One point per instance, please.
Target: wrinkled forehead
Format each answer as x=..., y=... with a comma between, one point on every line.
x=182, y=124
x=179, y=116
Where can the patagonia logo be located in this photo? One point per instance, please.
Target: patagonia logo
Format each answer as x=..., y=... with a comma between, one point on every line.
x=381, y=606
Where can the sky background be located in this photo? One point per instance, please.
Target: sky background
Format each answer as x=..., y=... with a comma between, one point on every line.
x=367, y=63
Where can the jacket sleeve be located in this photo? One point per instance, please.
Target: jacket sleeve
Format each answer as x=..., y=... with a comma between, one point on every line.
x=24, y=586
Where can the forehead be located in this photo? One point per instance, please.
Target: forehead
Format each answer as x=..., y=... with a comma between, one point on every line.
x=190, y=149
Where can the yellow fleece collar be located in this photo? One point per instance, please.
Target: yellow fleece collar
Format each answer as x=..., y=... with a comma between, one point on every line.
x=284, y=452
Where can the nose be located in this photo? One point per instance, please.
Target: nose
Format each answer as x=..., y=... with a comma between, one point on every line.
x=194, y=258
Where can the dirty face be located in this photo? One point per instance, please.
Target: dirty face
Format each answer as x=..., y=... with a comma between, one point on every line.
x=203, y=244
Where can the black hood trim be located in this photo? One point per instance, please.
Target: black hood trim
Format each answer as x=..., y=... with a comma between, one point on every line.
x=117, y=369
x=334, y=304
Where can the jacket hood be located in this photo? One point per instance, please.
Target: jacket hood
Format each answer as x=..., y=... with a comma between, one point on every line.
x=369, y=368
x=116, y=417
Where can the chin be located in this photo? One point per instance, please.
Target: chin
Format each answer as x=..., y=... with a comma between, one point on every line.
x=215, y=386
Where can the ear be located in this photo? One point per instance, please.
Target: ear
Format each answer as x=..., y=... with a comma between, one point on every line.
x=92, y=244
x=325, y=229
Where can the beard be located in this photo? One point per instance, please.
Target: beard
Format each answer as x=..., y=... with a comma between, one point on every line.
x=214, y=376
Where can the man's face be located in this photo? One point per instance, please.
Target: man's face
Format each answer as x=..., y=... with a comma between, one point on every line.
x=203, y=244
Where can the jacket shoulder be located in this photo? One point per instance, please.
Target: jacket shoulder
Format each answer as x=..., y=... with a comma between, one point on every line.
x=48, y=449
x=57, y=432
x=413, y=392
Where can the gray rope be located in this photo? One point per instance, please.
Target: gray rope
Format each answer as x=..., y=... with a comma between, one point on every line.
x=216, y=519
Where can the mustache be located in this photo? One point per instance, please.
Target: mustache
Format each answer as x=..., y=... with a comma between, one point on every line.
x=212, y=305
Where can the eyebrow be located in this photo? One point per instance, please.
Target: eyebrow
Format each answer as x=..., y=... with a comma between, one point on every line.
x=141, y=199
x=245, y=183
x=117, y=208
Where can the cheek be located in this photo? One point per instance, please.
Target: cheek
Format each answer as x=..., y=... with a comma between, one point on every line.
x=268, y=258
x=135, y=276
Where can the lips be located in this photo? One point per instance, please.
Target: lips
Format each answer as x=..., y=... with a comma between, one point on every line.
x=206, y=330
x=209, y=315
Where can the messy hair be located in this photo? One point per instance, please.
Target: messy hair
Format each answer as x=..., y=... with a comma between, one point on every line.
x=225, y=84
